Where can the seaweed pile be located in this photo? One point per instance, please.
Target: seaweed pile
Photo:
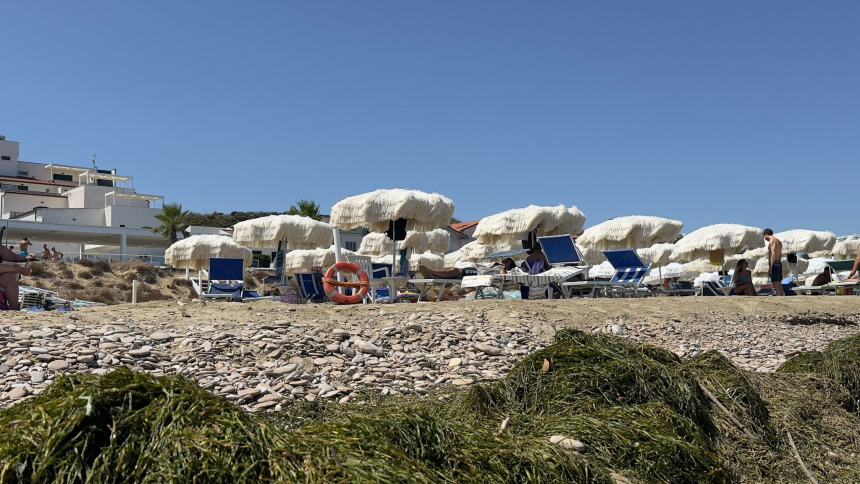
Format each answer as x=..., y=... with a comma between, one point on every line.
x=589, y=408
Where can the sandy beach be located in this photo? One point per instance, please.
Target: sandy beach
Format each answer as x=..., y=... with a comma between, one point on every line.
x=263, y=354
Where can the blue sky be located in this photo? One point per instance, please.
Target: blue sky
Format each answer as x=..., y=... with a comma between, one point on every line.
x=731, y=111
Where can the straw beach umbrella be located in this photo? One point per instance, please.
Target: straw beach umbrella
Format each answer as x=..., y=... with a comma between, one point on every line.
x=847, y=248
x=630, y=232
x=376, y=210
x=194, y=252
x=297, y=231
x=511, y=226
x=714, y=242
x=657, y=254
x=378, y=243
x=801, y=240
x=309, y=260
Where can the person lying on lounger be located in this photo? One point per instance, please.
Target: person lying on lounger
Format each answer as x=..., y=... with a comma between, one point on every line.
x=742, y=280
x=823, y=278
x=9, y=274
x=452, y=273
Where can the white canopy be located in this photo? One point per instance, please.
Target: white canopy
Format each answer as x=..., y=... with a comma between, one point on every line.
x=474, y=251
x=657, y=254
x=847, y=248
x=751, y=256
x=716, y=241
x=194, y=252
x=801, y=240
x=297, y=231
x=672, y=270
x=425, y=259
x=630, y=232
x=511, y=226
x=309, y=260
x=699, y=266
x=375, y=210
x=604, y=270
x=378, y=243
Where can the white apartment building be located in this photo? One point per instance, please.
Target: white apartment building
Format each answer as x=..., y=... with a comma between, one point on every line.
x=77, y=209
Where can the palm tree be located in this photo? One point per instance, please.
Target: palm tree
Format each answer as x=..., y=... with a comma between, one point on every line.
x=306, y=208
x=173, y=222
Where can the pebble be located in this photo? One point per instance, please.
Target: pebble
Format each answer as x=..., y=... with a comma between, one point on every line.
x=488, y=349
x=58, y=365
x=261, y=365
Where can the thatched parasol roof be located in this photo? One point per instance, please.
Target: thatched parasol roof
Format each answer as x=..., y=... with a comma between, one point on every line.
x=297, y=231
x=194, y=252
x=375, y=210
x=630, y=232
x=714, y=241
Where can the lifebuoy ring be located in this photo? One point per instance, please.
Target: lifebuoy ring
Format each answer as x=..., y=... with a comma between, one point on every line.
x=330, y=283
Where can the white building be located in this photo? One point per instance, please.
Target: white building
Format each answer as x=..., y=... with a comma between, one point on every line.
x=77, y=209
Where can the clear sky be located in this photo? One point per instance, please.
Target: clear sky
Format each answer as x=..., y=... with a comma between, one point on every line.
x=708, y=112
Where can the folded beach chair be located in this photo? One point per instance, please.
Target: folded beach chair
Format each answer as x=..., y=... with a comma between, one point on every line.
x=226, y=279
x=311, y=287
x=280, y=278
x=565, y=262
x=630, y=271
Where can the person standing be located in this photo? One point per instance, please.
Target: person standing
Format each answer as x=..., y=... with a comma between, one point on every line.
x=774, y=257
x=24, y=247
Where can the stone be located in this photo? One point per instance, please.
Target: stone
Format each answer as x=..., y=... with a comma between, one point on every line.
x=17, y=393
x=369, y=348
x=85, y=358
x=455, y=362
x=37, y=377
x=488, y=349
x=161, y=336
x=140, y=352
x=38, y=350
x=58, y=365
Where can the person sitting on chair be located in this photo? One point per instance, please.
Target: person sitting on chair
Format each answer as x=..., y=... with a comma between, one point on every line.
x=742, y=280
x=9, y=275
x=56, y=255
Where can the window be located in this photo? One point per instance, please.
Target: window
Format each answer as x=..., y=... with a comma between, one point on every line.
x=63, y=177
x=106, y=172
x=351, y=245
x=6, y=158
x=23, y=173
x=23, y=188
x=104, y=183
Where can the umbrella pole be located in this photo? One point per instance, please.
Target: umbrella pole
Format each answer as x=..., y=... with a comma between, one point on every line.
x=338, y=257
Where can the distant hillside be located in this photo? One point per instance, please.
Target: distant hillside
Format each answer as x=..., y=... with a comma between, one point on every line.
x=218, y=219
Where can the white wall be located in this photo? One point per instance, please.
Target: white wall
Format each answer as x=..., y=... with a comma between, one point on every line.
x=9, y=167
x=93, y=217
x=131, y=217
x=93, y=196
x=25, y=201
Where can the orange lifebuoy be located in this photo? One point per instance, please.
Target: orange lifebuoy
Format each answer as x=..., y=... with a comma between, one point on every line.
x=330, y=283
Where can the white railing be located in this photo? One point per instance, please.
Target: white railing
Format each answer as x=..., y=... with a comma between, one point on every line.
x=156, y=260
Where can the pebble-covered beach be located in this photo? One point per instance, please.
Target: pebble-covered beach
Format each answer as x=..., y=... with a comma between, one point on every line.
x=261, y=355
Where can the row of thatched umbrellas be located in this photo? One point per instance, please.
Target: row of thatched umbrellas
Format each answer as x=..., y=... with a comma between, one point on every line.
x=314, y=244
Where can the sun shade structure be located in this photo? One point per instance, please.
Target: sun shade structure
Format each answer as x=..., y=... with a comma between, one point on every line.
x=699, y=266
x=511, y=226
x=378, y=243
x=375, y=210
x=194, y=252
x=425, y=259
x=657, y=254
x=847, y=248
x=297, y=231
x=309, y=260
x=714, y=242
x=475, y=251
x=801, y=240
x=630, y=232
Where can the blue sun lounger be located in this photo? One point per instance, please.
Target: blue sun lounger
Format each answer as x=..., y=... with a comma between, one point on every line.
x=630, y=271
x=227, y=281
